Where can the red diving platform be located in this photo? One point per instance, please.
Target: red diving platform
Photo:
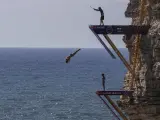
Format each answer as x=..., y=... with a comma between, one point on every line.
x=118, y=92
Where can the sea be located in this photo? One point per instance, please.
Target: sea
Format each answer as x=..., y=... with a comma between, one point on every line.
x=37, y=84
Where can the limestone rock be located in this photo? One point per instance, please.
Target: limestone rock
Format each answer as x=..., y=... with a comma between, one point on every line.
x=146, y=95
x=156, y=71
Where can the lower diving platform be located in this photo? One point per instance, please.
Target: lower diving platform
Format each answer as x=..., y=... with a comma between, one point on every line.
x=118, y=92
x=104, y=96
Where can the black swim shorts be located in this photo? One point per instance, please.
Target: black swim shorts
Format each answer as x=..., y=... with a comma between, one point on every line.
x=102, y=17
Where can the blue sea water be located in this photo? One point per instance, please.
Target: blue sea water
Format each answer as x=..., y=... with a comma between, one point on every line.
x=37, y=84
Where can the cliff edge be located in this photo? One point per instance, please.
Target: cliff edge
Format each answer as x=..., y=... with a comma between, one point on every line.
x=146, y=102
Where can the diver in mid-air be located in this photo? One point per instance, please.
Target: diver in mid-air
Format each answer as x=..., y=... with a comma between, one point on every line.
x=68, y=58
x=102, y=14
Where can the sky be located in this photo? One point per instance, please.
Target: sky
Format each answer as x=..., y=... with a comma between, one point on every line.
x=57, y=23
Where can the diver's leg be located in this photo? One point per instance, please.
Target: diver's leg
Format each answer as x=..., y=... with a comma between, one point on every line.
x=102, y=18
x=103, y=86
x=102, y=22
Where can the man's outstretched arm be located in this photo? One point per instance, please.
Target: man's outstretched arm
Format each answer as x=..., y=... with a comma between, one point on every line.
x=96, y=9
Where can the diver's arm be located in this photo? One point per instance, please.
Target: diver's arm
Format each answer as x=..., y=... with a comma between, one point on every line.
x=95, y=9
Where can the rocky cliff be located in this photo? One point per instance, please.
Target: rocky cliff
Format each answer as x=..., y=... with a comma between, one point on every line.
x=146, y=103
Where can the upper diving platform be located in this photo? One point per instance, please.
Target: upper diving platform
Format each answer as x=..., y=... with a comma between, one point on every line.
x=120, y=29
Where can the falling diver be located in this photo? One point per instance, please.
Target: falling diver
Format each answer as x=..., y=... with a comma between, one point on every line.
x=68, y=58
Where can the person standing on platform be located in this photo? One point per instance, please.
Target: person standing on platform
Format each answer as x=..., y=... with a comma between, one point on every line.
x=102, y=14
x=103, y=81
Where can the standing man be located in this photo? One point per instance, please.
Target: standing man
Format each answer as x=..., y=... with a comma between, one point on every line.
x=102, y=15
x=103, y=81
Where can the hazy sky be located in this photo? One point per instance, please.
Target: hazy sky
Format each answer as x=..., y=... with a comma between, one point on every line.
x=56, y=23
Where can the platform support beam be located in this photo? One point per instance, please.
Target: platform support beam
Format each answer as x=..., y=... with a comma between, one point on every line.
x=104, y=45
x=119, y=54
x=109, y=108
x=116, y=108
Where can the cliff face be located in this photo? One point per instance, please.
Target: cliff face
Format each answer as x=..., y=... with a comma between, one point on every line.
x=146, y=105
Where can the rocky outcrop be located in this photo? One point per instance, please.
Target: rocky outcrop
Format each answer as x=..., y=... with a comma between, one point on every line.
x=146, y=104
